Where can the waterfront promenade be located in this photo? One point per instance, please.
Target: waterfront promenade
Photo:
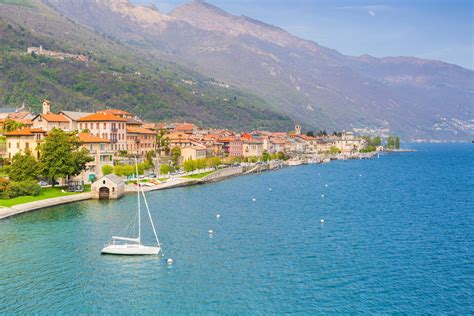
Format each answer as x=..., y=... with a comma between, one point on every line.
x=174, y=182
x=26, y=207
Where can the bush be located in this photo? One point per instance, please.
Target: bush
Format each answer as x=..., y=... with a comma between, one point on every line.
x=165, y=169
x=21, y=188
x=107, y=169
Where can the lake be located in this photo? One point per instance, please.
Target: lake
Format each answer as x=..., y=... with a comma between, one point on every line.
x=397, y=237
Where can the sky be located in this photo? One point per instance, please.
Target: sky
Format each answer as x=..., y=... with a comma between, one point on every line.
x=432, y=29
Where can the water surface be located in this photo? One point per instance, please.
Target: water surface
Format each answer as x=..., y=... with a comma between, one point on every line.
x=397, y=237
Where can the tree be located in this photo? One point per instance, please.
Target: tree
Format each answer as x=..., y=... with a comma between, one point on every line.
x=165, y=169
x=214, y=162
x=175, y=153
x=149, y=158
x=107, y=169
x=162, y=141
x=118, y=170
x=310, y=134
x=10, y=125
x=397, y=142
x=62, y=155
x=265, y=155
x=334, y=150
x=190, y=165
x=24, y=167
x=376, y=141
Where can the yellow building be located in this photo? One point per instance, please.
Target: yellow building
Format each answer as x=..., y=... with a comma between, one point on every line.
x=99, y=149
x=193, y=153
x=22, y=140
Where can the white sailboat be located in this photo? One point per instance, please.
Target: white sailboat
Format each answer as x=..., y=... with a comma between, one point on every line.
x=133, y=246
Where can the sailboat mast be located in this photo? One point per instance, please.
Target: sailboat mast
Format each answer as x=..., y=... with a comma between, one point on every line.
x=138, y=200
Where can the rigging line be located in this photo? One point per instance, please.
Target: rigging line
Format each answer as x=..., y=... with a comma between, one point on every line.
x=149, y=215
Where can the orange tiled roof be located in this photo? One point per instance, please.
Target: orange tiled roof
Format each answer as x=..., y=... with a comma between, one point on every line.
x=89, y=138
x=185, y=127
x=25, y=132
x=101, y=117
x=139, y=130
x=117, y=112
x=227, y=139
x=51, y=117
x=18, y=115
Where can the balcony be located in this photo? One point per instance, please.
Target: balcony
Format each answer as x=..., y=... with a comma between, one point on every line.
x=114, y=140
x=114, y=130
x=137, y=141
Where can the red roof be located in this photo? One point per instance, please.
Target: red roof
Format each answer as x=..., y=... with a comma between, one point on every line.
x=117, y=112
x=139, y=130
x=89, y=138
x=101, y=117
x=25, y=132
x=185, y=127
x=51, y=117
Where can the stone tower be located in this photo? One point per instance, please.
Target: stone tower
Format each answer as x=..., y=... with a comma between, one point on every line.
x=46, y=107
x=297, y=129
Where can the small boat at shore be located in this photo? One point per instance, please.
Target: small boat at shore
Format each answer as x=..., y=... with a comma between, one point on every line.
x=130, y=246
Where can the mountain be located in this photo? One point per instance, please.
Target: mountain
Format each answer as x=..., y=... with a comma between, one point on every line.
x=313, y=84
x=297, y=78
x=114, y=75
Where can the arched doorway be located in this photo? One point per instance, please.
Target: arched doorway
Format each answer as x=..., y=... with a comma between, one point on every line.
x=104, y=193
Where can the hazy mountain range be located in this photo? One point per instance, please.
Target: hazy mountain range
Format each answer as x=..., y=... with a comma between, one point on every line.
x=297, y=78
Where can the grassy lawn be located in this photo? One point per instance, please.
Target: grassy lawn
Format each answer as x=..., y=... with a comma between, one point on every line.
x=46, y=193
x=198, y=176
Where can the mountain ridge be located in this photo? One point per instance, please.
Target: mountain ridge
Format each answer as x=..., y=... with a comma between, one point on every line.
x=315, y=85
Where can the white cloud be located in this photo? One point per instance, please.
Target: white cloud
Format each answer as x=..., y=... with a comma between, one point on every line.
x=372, y=13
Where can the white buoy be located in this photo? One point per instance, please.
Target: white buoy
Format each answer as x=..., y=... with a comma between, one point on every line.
x=322, y=195
x=254, y=200
x=326, y=185
x=210, y=231
x=169, y=261
x=269, y=189
x=322, y=221
x=218, y=216
x=360, y=175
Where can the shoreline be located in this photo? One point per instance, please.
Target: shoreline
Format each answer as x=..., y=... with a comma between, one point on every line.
x=218, y=175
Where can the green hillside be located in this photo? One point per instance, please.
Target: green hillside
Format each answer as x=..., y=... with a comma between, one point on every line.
x=113, y=77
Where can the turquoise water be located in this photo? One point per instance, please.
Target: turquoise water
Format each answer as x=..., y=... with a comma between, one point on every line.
x=397, y=237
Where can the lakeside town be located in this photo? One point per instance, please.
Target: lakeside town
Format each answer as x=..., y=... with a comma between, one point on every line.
x=73, y=149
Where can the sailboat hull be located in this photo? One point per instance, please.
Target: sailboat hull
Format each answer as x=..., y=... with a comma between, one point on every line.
x=131, y=250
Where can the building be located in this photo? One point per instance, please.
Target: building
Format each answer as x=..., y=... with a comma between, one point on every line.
x=179, y=139
x=107, y=126
x=23, y=140
x=140, y=140
x=193, y=153
x=73, y=117
x=186, y=128
x=236, y=147
x=348, y=143
x=108, y=187
x=252, y=148
x=99, y=149
x=47, y=120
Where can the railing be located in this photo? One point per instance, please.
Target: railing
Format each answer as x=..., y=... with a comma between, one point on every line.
x=114, y=130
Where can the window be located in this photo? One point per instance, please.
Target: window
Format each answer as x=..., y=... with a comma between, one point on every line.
x=97, y=125
x=101, y=147
x=17, y=145
x=27, y=145
x=9, y=145
x=105, y=125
